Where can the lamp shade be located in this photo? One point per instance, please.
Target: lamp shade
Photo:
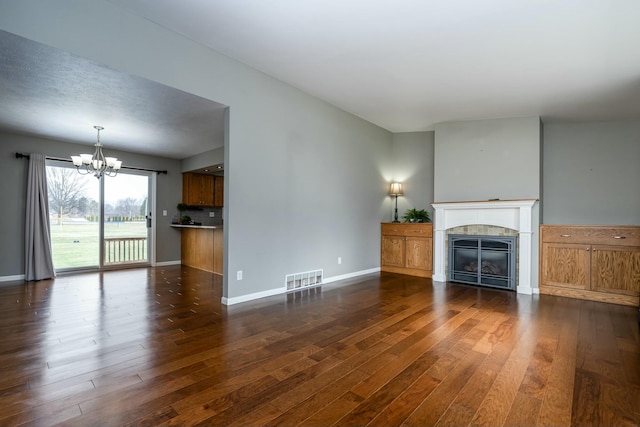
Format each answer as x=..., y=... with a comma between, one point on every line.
x=395, y=189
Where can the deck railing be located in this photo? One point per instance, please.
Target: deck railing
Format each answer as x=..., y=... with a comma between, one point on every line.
x=121, y=250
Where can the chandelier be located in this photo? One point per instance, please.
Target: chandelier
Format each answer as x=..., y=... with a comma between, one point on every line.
x=97, y=164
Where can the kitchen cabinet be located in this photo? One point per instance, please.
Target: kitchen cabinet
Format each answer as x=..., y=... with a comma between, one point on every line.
x=197, y=189
x=218, y=191
x=202, y=190
x=599, y=263
x=407, y=248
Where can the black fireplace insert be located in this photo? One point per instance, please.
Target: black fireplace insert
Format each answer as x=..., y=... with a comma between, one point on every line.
x=483, y=260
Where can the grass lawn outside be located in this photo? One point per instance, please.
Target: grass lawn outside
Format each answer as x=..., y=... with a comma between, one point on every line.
x=75, y=244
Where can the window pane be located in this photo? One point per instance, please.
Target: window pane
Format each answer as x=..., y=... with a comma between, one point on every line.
x=73, y=213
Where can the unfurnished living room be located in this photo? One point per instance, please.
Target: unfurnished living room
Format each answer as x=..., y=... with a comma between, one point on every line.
x=320, y=213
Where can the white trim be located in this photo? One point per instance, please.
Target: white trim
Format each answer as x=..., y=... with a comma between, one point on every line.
x=251, y=297
x=11, y=278
x=350, y=275
x=283, y=290
x=520, y=215
x=166, y=263
x=153, y=233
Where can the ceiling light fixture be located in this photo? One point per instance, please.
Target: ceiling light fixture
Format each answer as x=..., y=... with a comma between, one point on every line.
x=97, y=164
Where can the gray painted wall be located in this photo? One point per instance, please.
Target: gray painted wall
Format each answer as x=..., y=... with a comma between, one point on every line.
x=413, y=167
x=591, y=173
x=304, y=181
x=487, y=159
x=13, y=175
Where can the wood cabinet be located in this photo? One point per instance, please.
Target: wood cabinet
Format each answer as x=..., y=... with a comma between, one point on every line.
x=202, y=190
x=218, y=191
x=599, y=263
x=202, y=248
x=407, y=248
x=197, y=189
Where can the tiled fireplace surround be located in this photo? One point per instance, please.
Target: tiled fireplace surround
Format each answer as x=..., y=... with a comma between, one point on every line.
x=482, y=217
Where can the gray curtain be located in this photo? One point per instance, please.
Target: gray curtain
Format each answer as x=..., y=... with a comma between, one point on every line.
x=38, y=258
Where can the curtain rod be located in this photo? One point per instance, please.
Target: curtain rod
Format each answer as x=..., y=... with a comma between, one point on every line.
x=62, y=159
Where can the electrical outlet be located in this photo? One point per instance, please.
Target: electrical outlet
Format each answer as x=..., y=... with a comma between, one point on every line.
x=239, y=275
x=339, y=260
x=164, y=212
x=212, y=214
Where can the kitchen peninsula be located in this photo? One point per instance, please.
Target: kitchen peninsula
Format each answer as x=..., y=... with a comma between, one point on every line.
x=202, y=247
x=200, y=220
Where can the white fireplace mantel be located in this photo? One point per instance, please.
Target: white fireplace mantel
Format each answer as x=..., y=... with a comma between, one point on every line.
x=520, y=215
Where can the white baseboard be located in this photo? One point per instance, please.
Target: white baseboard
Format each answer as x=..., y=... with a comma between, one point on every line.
x=11, y=278
x=524, y=290
x=166, y=263
x=277, y=291
x=251, y=297
x=350, y=275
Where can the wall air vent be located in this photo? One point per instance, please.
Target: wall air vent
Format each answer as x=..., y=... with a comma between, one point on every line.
x=297, y=281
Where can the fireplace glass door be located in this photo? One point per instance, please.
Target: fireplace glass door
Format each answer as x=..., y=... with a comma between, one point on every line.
x=483, y=260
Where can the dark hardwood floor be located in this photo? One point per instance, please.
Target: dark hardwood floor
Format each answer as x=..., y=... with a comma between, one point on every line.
x=156, y=347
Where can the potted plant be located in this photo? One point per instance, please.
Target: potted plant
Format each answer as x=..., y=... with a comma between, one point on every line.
x=177, y=219
x=416, y=215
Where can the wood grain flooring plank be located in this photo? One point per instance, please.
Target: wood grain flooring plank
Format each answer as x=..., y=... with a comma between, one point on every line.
x=154, y=346
x=524, y=411
x=294, y=415
x=331, y=413
x=357, y=366
x=497, y=403
x=43, y=416
x=400, y=409
x=429, y=411
x=537, y=374
x=218, y=403
x=558, y=402
x=154, y=419
x=439, y=341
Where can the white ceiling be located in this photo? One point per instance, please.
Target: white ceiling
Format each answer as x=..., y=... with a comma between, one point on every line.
x=401, y=64
x=50, y=93
x=408, y=64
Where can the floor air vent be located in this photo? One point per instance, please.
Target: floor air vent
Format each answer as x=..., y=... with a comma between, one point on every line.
x=297, y=281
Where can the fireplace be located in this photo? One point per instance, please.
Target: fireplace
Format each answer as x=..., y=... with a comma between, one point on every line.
x=483, y=260
x=521, y=216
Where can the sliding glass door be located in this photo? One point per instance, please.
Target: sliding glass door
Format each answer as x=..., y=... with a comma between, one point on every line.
x=126, y=214
x=98, y=223
x=74, y=213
